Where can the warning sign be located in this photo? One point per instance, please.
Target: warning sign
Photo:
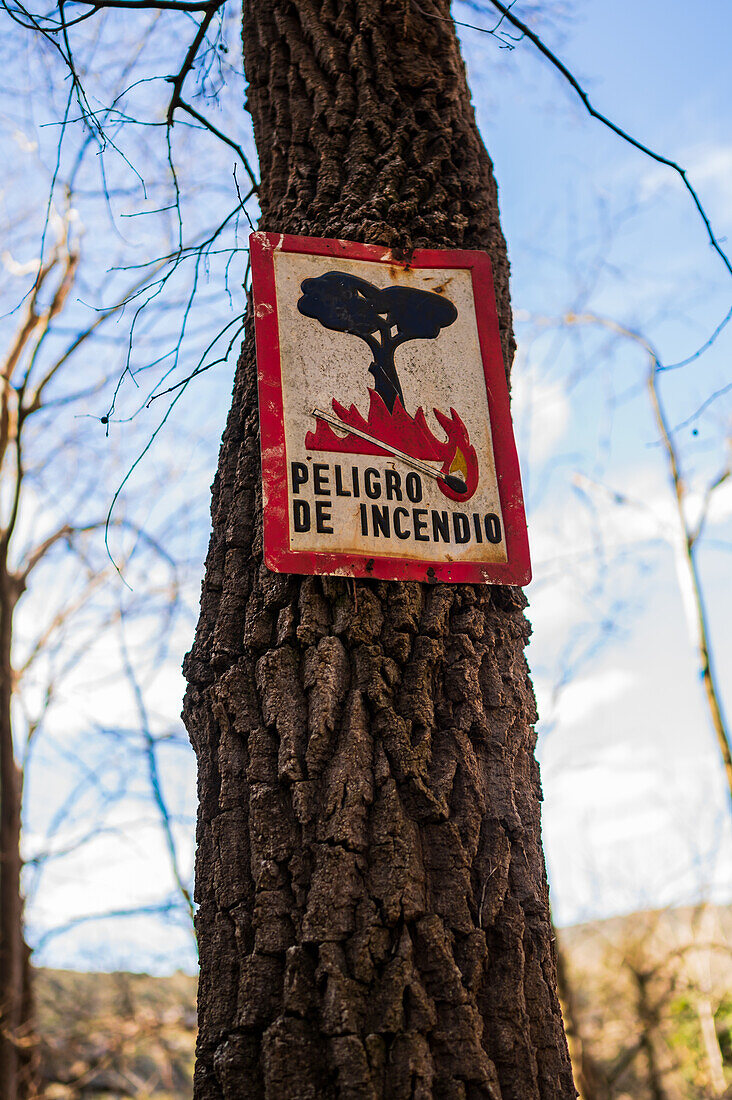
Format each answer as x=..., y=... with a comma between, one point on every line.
x=387, y=447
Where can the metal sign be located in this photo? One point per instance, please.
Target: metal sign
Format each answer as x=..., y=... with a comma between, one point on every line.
x=387, y=446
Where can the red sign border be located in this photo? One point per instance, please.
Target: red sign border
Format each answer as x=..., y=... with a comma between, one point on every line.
x=278, y=556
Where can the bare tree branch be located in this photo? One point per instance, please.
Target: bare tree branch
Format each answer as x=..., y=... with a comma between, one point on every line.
x=179, y=80
x=227, y=141
x=561, y=68
x=689, y=533
x=154, y=776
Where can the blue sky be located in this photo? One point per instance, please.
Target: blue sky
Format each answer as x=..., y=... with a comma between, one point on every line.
x=636, y=812
x=635, y=809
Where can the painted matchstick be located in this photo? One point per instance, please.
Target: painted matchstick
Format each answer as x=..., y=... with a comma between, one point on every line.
x=455, y=483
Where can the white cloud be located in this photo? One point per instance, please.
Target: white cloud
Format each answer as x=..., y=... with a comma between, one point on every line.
x=708, y=167
x=557, y=605
x=720, y=505
x=24, y=143
x=15, y=267
x=585, y=696
x=540, y=409
x=121, y=869
x=634, y=830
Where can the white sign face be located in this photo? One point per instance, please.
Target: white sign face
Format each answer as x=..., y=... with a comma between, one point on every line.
x=382, y=396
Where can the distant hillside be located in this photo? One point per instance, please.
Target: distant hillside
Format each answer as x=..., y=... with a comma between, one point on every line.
x=647, y=1001
x=647, y=998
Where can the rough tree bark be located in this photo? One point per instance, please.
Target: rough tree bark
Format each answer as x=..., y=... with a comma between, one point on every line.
x=18, y=1056
x=373, y=913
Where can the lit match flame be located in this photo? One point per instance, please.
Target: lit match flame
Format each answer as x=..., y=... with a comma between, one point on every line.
x=459, y=465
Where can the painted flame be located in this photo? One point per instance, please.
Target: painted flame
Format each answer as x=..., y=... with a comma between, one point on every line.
x=459, y=465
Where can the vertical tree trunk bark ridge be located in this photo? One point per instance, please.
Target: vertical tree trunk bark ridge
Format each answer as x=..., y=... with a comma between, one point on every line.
x=18, y=1052
x=11, y=905
x=373, y=915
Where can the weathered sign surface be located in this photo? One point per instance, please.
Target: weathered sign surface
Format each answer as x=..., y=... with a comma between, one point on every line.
x=387, y=446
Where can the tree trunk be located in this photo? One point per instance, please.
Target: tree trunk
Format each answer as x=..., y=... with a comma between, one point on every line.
x=591, y=1079
x=17, y=1051
x=660, y=1084
x=373, y=916
x=710, y=1040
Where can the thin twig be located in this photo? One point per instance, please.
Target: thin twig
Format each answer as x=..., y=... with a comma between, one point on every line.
x=623, y=134
x=222, y=137
x=179, y=79
x=154, y=776
x=722, y=392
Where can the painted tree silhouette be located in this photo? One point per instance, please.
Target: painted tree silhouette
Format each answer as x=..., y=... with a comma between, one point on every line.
x=384, y=319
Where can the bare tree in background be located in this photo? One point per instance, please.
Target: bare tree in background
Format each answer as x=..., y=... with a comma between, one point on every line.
x=98, y=336
x=694, y=493
x=653, y=988
x=54, y=523
x=692, y=506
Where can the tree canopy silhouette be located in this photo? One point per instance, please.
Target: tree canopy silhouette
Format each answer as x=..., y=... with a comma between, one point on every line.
x=345, y=303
